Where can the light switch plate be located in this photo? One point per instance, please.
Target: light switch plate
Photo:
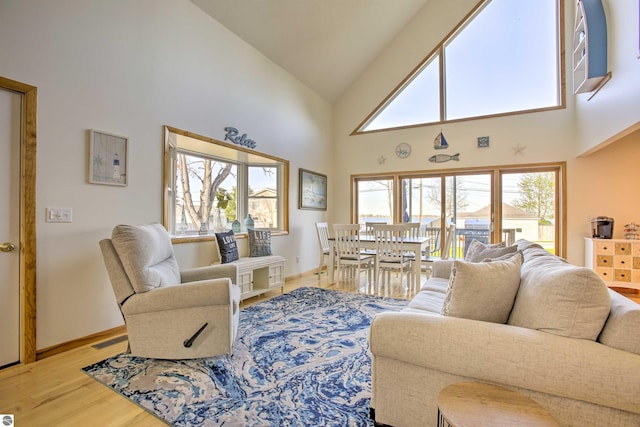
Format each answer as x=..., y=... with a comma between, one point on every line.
x=59, y=214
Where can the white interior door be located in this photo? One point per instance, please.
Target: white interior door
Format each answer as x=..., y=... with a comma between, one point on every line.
x=10, y=111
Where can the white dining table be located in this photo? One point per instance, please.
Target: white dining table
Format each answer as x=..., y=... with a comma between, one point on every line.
x=417, y=245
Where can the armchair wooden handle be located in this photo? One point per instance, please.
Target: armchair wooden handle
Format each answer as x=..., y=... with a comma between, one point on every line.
x=189, y=342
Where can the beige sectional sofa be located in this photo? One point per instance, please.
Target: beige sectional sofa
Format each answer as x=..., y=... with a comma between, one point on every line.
x=568, y=342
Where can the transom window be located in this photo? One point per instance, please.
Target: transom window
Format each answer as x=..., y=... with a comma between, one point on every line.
x=205, y=178
x=504, y=58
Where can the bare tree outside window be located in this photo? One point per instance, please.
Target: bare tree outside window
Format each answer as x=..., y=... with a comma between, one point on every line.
x=208, y=185
x=199, y=180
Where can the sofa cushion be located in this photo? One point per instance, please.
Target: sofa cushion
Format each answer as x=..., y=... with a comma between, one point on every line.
x=147, y=255
x=478, y=251
x=622, y=329
x=436, y=284
x=483, y=291
x=259, y=242
x=559, y=298
x=228, y=246
x=428, y=301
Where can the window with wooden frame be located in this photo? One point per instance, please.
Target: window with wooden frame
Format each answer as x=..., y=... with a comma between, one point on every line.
x=503, y=58
x=502, y=203
x=203, y=175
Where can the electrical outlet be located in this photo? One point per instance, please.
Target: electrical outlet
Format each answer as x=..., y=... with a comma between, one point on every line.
x=59, y=214
x=297, y=260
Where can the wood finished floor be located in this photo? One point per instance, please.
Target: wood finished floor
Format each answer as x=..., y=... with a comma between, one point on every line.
x=55, y=392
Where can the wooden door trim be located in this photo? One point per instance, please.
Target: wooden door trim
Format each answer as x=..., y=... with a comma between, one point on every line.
x=27, y=217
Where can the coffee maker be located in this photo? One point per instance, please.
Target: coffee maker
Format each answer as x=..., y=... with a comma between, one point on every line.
x=602, y=227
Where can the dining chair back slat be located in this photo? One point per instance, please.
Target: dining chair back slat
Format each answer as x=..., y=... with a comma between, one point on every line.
x=348, y=253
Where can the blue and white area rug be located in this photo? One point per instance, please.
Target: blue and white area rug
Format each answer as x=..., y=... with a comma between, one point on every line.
x=300, y=359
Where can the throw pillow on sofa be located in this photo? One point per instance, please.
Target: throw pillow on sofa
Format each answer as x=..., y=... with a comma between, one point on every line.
x=483, y=291
x=479, y=251
x=228, y=246
x=560, y=298
x=259, y=242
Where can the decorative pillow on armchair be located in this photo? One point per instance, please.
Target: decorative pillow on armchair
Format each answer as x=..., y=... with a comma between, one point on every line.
x=483, y=290
x=479, y=251
x=228, y=247
x=259, y=242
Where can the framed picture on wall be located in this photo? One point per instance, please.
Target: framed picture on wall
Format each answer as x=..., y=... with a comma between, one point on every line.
x=312, y=190
x=108, y=158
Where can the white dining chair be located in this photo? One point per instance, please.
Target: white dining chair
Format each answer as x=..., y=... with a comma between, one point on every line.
x=390, y=252
x=412, y=229
x=368, y=226
x=322, y=229
x=348, y=253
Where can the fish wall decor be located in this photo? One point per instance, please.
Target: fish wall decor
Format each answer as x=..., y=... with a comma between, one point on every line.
x=441, y=158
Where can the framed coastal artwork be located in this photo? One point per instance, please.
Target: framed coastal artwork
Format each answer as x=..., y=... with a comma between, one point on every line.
x=108, y=158
x=312, y=190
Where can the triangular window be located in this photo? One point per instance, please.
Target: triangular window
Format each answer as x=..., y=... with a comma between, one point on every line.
x=418, y=101
x=504, y=58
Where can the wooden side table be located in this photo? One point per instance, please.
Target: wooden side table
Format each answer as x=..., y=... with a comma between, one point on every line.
x=467, y=404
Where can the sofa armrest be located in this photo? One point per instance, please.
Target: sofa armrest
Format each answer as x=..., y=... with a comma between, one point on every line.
x=209, y=272
x=442, y=268
x=510, y=355
x=189, y=295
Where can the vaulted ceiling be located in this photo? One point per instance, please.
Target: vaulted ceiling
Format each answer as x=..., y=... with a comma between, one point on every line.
x=326, y=44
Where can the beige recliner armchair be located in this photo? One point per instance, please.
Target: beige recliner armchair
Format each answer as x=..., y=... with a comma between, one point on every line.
x=170, y=314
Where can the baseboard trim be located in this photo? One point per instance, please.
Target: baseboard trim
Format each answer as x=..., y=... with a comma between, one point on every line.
x=89, y=339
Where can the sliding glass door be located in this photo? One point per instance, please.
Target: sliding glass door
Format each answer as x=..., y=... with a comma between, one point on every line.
x=529, y=207
x=500, y=204
x=470, y=210
x=374, y=200
x=452, y=209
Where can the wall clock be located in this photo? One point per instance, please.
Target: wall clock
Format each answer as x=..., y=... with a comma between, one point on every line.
x=403, y=150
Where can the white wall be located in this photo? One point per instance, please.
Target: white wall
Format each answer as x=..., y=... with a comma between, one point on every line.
x=129, y=67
